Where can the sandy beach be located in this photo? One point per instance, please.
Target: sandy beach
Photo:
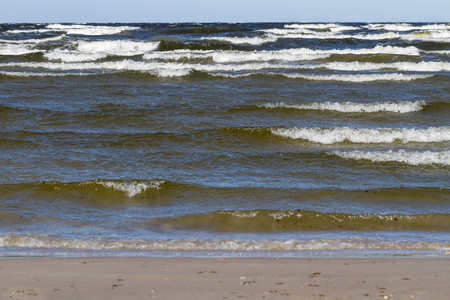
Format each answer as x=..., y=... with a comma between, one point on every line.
x=224, y=278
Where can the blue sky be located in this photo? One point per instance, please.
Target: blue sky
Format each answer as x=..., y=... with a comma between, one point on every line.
x=51, y=11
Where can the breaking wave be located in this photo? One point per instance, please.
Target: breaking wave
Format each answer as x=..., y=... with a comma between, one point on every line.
x=80, y=29
x=99, y=191
x=407, y=157
x=360, y=135
x=43, y=241
x=350, y=107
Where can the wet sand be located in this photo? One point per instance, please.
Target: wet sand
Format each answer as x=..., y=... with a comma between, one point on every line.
x=224, y=278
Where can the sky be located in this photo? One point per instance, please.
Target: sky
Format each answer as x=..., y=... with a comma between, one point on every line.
x=135, y=11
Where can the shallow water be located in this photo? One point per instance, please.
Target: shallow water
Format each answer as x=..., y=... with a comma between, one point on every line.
x=225, y=139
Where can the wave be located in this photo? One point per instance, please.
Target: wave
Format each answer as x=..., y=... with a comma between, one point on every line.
x=33, y=41
x=335, y=77
x=123, y=48
x=408, y=157
x=43, y=241
x=406, y=27
x=79, y=29
x=271, y=37
x=70, y=56
x=99, y=191
x=44, y=74
x=359, y=135
x=400, y=66
x=350, y=107
x=324, y=26
x=436, y=33
x=299, y=54
x=358, y=77
x=91, y=51
x=17, y=49
x=255, y=41
x=239, y=56
x=302, y=220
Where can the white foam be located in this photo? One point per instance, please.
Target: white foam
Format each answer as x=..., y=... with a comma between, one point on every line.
x=299, y=54
x=379, y=49
x=363, y=135
x=33, y=41
x=36, y=241
x=301, y=32
x=43, y=74
x=356, y=77
x=70, y=56
x=179, y=54
x=130, y=188
x=329, y=26
x=429, y=66
x=151, y=67
x=439, y=52
x=408, y=157
x=350, y=107
x=406, y=27
x=258, y=40
x=92, y=51
x=80, y=29
x=123, y=48
x=17, y=49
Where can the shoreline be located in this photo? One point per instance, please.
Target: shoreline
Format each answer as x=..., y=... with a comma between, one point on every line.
x=224, y=278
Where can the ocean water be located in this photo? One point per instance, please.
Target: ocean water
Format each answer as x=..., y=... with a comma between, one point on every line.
x=284, y=139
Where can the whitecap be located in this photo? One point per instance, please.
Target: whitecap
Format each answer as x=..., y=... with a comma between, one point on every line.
x=130, y=188
x=351, y=107
x=356, y=77
x=80, y=29
x=408, y=157
x=363, y=135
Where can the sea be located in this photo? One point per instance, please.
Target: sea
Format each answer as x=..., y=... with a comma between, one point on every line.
x=225, y=139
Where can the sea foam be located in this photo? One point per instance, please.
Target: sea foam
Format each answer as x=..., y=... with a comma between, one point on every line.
x=231, y=246
x=363, y=135
x=81, y=29
x=130, y=188
x=408, y=157
x=350, y=107
x=356, y=77
x=399, y=66
x=125, y=48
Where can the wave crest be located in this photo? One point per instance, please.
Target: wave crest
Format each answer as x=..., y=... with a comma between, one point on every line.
x=302, y=220
x=361, y=135
x=350, y=107
x=408, y=157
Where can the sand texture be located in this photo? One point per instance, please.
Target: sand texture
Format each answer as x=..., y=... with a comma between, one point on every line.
x=220, y=278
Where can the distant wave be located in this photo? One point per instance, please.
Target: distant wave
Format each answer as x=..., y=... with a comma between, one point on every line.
x=437, y=32
x=406, y=26
x=350, y=107
x=32, y=41
x=91, y=51
x=78, y=29
x=408, y=157
x=227, y=56
x=359, y=135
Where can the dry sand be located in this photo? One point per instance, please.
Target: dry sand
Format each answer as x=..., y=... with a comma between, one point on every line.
x=220, y=278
